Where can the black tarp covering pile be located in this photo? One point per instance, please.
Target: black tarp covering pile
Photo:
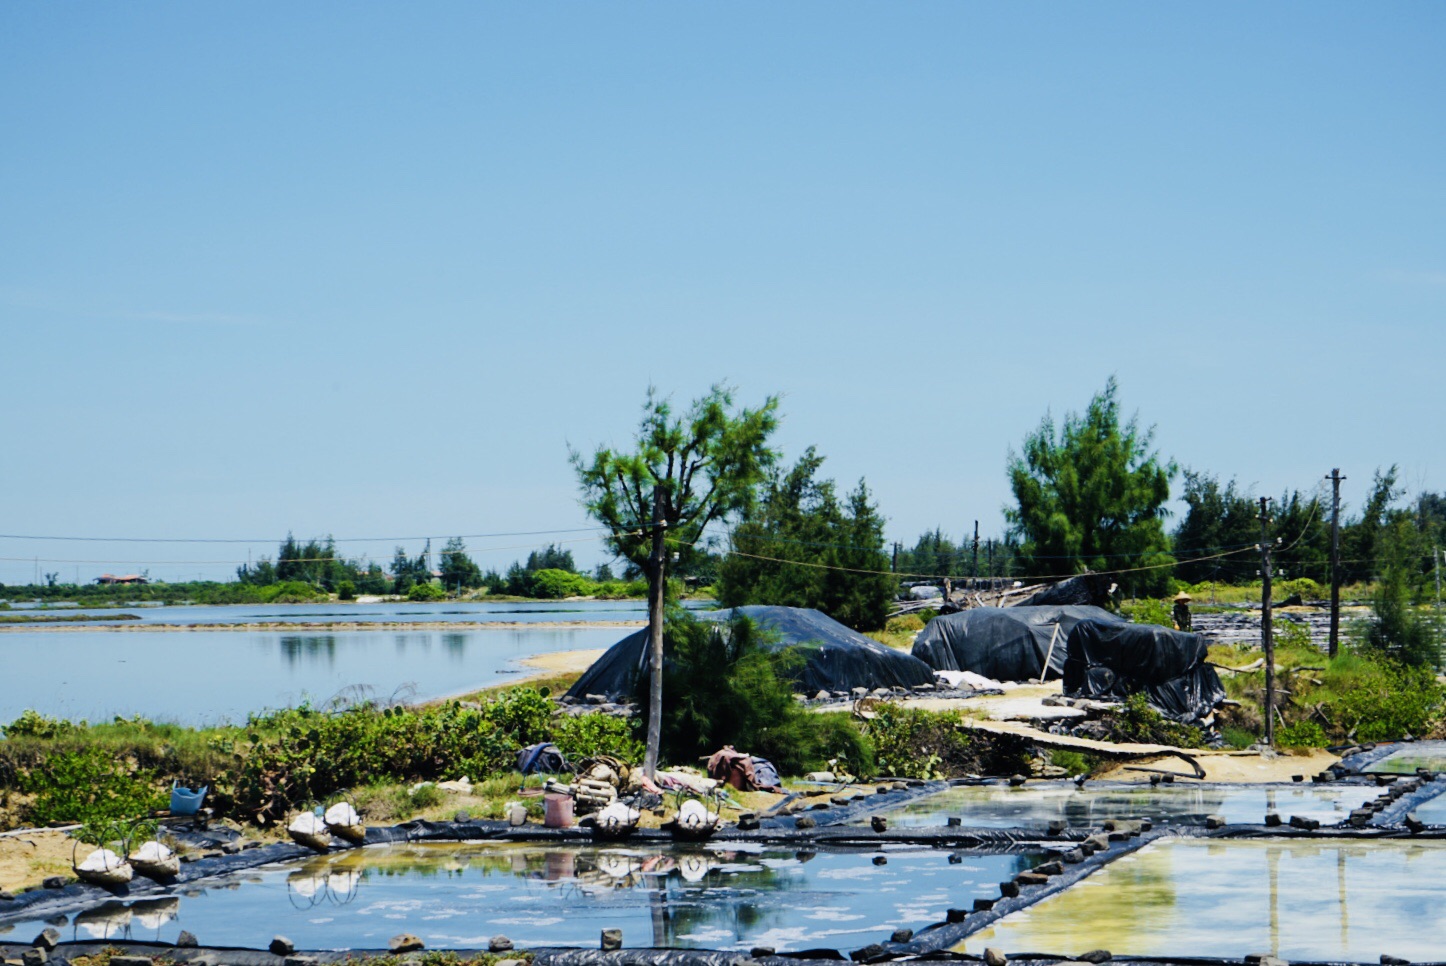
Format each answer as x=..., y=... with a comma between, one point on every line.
x=836, y=657
x=1003, y=643
x=1086, y=589
x=1111, y=661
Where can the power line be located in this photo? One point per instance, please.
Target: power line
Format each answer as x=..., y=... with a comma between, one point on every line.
x=272, y=539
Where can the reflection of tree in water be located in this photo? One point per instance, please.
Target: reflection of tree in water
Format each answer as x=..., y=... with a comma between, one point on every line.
x=456, y=644
x=313, y=647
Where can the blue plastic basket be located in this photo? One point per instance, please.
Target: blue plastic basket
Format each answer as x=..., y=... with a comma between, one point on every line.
x=187, y=801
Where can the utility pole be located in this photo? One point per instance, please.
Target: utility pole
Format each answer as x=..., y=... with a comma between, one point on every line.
x=894, y=565
x=974, y=570
x=1267, y=642
x=989, y=555
x=1335, y=479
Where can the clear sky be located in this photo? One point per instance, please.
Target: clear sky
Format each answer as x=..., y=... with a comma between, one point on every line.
x=368, y=269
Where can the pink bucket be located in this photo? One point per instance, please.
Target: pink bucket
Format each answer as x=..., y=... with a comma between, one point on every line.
x=557, y=810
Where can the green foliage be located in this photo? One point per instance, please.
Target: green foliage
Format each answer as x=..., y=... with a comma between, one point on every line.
x=33, y=724
x=722, y=687
x=458, y=569
x=346, y=590
x=1238, y=737
x=905, y=624
x=913, y=743
x=551, y=584
x=426, y=592
x=1216, y=519
x=1307, y=588
x=1374, y=699
x=936, y=555
x=1073, y=762
x=89, y=786
x=426, y=795
x=1301, y=734
x=1136, y=721
x=801, y=546
x=1092, y=497
x=587, y=735
x=1148, y=610
x=303, y=755
x=291, y=592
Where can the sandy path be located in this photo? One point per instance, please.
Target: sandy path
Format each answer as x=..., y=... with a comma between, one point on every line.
x=28, y=858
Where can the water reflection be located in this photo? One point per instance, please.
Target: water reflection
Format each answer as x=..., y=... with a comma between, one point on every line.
x=1430, y=755
x=1035, y=805
x=460, y=895
x=315, y=648
x=1311, y=900
x=216, y=675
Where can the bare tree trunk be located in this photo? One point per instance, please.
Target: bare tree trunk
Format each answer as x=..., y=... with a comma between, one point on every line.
x=657, y=585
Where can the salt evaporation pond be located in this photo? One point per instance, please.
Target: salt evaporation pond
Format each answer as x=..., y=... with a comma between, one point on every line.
x=1036, y=804
x=440, y=612
x=459, y=896
x=1433, y=810
x=1299, y=900
x=1430, y=755
x=206, y=677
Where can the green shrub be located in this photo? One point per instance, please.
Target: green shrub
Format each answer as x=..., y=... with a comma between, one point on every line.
x=1136, y=721
x=587, y=735
x=290, y=592
x=723, y=687
x=553, y=584
x=346, y=590
x=914, y=743
x=1307, y=589
x=1148, y=610
x=33, y=724
x=904, y=624
x=89, y=786
x=1379, y=700
x=426, y=796
x=302, y=755
x=1301, y=734
x=426, y=592
x=1237, y=737
x=1073, y=762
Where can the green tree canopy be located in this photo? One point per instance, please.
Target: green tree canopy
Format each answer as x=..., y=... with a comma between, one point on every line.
x=835, y=548
x=458, y=569
x=682, y=473
x=1091, y=496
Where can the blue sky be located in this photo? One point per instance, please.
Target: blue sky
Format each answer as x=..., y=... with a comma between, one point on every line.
x=368, y=269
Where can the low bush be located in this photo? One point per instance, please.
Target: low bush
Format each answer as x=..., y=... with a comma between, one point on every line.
x=426, y=592
x=584, y=736
x=913, y=743
x=346, y=590
x=290, y=592
x=90, y=787
x=553, y=584
x=1136, y=721
x=1301, y=734
x=723, y=687
x=1148, y=610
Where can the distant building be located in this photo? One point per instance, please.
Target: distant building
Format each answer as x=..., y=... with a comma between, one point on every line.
x=124, y=579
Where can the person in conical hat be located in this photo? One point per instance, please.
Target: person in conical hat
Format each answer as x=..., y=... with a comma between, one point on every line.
x=1181, y=613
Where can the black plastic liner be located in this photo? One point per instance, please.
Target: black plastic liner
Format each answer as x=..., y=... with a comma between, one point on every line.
x=835, y=657
x=1003, y=643
x=1111, y=661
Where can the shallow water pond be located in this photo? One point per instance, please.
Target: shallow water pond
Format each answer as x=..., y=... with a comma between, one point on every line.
x=460, y=896
x=1311, y=900
x=1036, y=804
x=204, y=677
x=1430, y=755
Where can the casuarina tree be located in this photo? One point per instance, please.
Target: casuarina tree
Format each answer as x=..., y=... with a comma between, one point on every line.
x=1091, y=496
x=683, y=472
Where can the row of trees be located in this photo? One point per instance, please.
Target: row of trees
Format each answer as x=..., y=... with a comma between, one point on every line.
x=1089, y=494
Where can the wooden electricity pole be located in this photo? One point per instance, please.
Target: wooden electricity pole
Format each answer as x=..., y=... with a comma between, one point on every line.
x=1266, y=641
x=1335, y=479
x=974, y=571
